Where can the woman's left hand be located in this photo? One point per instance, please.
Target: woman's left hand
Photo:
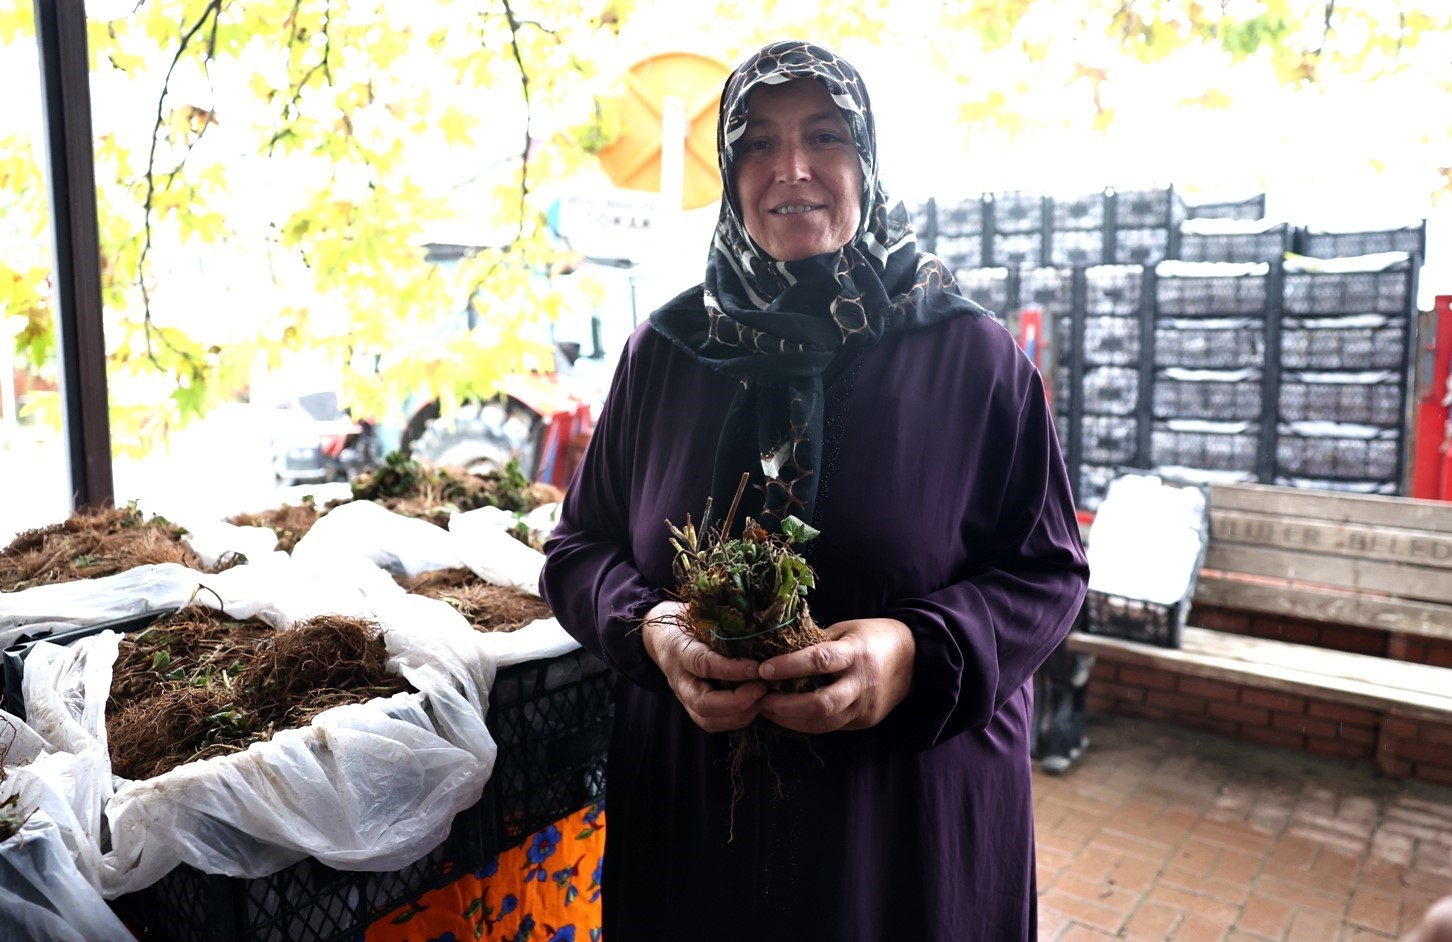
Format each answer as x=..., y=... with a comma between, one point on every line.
x=871, y=663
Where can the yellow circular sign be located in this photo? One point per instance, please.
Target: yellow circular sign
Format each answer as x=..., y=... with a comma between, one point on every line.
x=633, y=160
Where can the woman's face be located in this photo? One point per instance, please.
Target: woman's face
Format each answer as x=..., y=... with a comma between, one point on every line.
x=797, y=175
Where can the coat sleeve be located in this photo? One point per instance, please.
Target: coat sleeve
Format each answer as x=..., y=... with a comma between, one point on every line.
x=590, y=579
x=981, y=638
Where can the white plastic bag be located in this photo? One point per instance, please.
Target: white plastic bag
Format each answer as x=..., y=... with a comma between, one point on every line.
x=483, y=542
x=402, y=545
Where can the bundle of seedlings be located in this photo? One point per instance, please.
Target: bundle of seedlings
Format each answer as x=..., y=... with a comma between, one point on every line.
x=95, y=543
x=197, y=684
x=417, y=489
x=746, y=597
x=486, y=607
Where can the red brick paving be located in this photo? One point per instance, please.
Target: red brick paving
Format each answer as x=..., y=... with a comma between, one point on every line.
x=1164, y=834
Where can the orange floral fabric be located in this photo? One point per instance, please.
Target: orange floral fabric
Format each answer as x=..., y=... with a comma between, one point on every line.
x=545, y=890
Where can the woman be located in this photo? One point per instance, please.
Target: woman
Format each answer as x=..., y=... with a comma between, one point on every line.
x=866, y=396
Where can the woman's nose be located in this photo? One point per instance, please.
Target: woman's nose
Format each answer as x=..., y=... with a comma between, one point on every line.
x=793, y=164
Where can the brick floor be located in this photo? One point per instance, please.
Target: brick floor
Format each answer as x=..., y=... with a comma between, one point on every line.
x=1162, y=833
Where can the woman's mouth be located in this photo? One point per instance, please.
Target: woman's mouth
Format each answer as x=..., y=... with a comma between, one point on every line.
x=795, y=208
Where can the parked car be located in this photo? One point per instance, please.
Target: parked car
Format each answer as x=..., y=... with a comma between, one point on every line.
x=317, y=441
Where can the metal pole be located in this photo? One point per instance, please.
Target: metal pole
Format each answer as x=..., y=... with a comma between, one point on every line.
x=60, y=30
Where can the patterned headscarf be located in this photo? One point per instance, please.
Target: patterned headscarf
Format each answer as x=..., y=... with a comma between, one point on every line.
x=781, y=326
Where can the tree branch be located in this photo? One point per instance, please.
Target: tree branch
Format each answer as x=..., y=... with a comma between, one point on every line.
x=514, y=27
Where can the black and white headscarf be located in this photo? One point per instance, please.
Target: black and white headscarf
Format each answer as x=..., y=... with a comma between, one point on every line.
x=780, y=326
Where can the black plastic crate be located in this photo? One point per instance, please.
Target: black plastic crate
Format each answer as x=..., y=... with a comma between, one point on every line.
x=960, y=251
x=1140, y=246
x=1377, y=399
x=1076, y=247
x=1215, y=397
x=1211, y=295
x=1350, y=244
x=987, y=286
x=306, y=902
x=925, y=225
x=1018, y=211
x=1360, y=292
x=1050, y=290
x=1114, y=289
x=962, y=217
x=1252, y=207
x=1079, y=212
x=1111, y=440
x=1111, y=341
x=1148, y=209
x=1346, y=455
x=1017, y=249
x=1111, y=390
x=551, y=719
x=1210, y=345
x=1231, y=447
x=1267, y=246
x=1351, y=343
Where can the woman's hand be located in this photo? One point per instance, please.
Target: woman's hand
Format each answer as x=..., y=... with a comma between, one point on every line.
x=872, y=663
x=691, y=666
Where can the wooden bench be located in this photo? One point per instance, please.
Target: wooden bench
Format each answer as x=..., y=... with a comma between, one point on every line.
x=1320, y=621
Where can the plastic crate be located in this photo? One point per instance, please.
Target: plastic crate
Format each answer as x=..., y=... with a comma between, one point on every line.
x=1114, y=289
x=1250, y=208
x=551, y=719
x=987, y=286
x=1111, y=341
x=1142, y=246
x=1076, y=247
x=1360, y=292
x=1051, y=290
x=1079, y=212
x=1232, y=447
x=1112, y=390
x=1350, y=455
x=1017, y=249
x=1094, y=484
x=1018, y=211
x=964, y=217
x=1267, y=246
x=1366, y=399
x=1111, y=440
x=1352, y=343
x=1212, y=398
x=306, y=902
x=1211, y=295
x=1210, y=345
x=1148, y=209
x=960, y=251
x=924, y=218
x=1350, y=244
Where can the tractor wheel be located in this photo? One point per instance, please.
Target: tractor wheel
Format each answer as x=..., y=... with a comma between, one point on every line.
x=481, y=437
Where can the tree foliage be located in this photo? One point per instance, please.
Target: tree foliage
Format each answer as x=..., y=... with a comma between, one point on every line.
x=269, y=171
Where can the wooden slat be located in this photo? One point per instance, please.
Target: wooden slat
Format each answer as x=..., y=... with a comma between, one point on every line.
x=1375, y=510
x=1319, y=604
x=1340, y=572
x=1404, y=545
x=1415, y=690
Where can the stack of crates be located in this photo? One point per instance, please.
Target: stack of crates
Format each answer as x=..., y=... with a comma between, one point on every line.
x=1251, y=207
x=1077, y=228
x=959, y=231
x=1016, y=224
x=1144, y=226
x=1345, y=349
x=1234, y=240
x=1211, y=326
x=1322, y=243
x=1107, y=361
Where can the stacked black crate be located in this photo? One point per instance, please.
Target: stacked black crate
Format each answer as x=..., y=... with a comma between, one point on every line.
x=1212, y=325
x=1015, y=225
x=1234, y=240
x=1325, y=243
x=1077, y=227
x=960, y=233
x=1251, y=207
x=991, y=288
x=1107, y=434
x=924, y=217
x=1345, y=347
x=1143, y=225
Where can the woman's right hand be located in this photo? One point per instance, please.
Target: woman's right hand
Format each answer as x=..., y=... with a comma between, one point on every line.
x=691, y=666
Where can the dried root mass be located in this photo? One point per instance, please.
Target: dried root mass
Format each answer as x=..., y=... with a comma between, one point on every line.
x=487, y=608
x=91, y=544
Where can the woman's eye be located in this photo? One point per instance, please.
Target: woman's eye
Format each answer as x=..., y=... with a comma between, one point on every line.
x=756, y=146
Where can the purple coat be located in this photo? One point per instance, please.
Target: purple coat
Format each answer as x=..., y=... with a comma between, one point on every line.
x=944, y=504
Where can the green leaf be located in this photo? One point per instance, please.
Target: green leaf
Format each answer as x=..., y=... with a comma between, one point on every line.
x=798, y=531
